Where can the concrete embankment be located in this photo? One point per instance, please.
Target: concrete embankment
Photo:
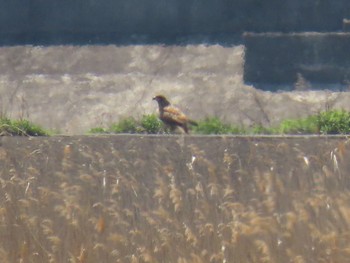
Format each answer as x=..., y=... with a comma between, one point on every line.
x=71, y=89
x=127, y=198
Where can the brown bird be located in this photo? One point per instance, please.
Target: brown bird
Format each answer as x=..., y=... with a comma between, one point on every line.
x=172, y=116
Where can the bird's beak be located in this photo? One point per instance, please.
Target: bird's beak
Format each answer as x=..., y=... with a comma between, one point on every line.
x=153, y=98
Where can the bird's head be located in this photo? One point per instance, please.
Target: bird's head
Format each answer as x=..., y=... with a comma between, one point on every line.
x=162, y=101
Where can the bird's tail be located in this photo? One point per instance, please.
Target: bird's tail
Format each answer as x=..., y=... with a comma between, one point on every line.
x=192, y=122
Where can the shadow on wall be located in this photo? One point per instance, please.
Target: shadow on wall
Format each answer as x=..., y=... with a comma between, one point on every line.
x=297, y=60
x=174, y=199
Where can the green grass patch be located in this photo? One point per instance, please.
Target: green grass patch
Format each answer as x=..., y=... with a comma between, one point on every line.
x=149, y=124
x=328, y=122
x=307, y=125
x=334, y=122
x=128, y=125
x=259, y=129
x=21, y=127
x=215, y=126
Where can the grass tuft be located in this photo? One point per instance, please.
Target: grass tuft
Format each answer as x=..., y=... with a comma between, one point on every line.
x=20, y=128
x=328, y=122
x=307, y=125
x=127, y=125
x=151, y=124
x=334, y=122
x=215, y=126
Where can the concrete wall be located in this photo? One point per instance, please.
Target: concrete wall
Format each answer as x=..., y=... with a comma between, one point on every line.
x=181, y=22
x=71, y=89
x=172, y=21
x=174, y=199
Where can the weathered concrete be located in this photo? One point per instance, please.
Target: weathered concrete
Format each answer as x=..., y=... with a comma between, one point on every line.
x=71, y=89
x=174, y=199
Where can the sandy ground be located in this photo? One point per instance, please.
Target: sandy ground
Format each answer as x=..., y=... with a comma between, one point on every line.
x=70, y=89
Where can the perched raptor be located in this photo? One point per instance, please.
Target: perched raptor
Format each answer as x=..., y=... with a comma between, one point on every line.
x=172, y=116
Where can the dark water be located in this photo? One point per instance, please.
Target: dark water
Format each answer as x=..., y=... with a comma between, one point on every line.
x=160, y=22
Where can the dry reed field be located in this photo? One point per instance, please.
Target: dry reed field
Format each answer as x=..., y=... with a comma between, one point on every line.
x=174, y=199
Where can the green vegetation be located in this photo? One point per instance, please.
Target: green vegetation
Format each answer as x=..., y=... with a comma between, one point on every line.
x=20, y=128
x=334, y=122
x=308, y=125
x=149, y=124
x=215, y=126
x=128, y=125
x=97, y=130
x=328, y=122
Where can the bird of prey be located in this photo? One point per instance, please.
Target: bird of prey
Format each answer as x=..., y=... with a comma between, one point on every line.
x=172, y=116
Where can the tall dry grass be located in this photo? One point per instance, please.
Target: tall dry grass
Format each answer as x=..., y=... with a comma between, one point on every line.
x=160, y=199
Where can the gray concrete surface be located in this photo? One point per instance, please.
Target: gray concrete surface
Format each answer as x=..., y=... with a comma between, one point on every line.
x=70, y=89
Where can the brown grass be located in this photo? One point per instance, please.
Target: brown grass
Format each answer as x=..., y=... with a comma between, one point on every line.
x=105, y=200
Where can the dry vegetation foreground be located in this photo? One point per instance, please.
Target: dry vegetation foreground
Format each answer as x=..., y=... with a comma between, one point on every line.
x=127, y=198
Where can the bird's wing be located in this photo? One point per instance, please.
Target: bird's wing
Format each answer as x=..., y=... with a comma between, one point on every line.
x=173, y=114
